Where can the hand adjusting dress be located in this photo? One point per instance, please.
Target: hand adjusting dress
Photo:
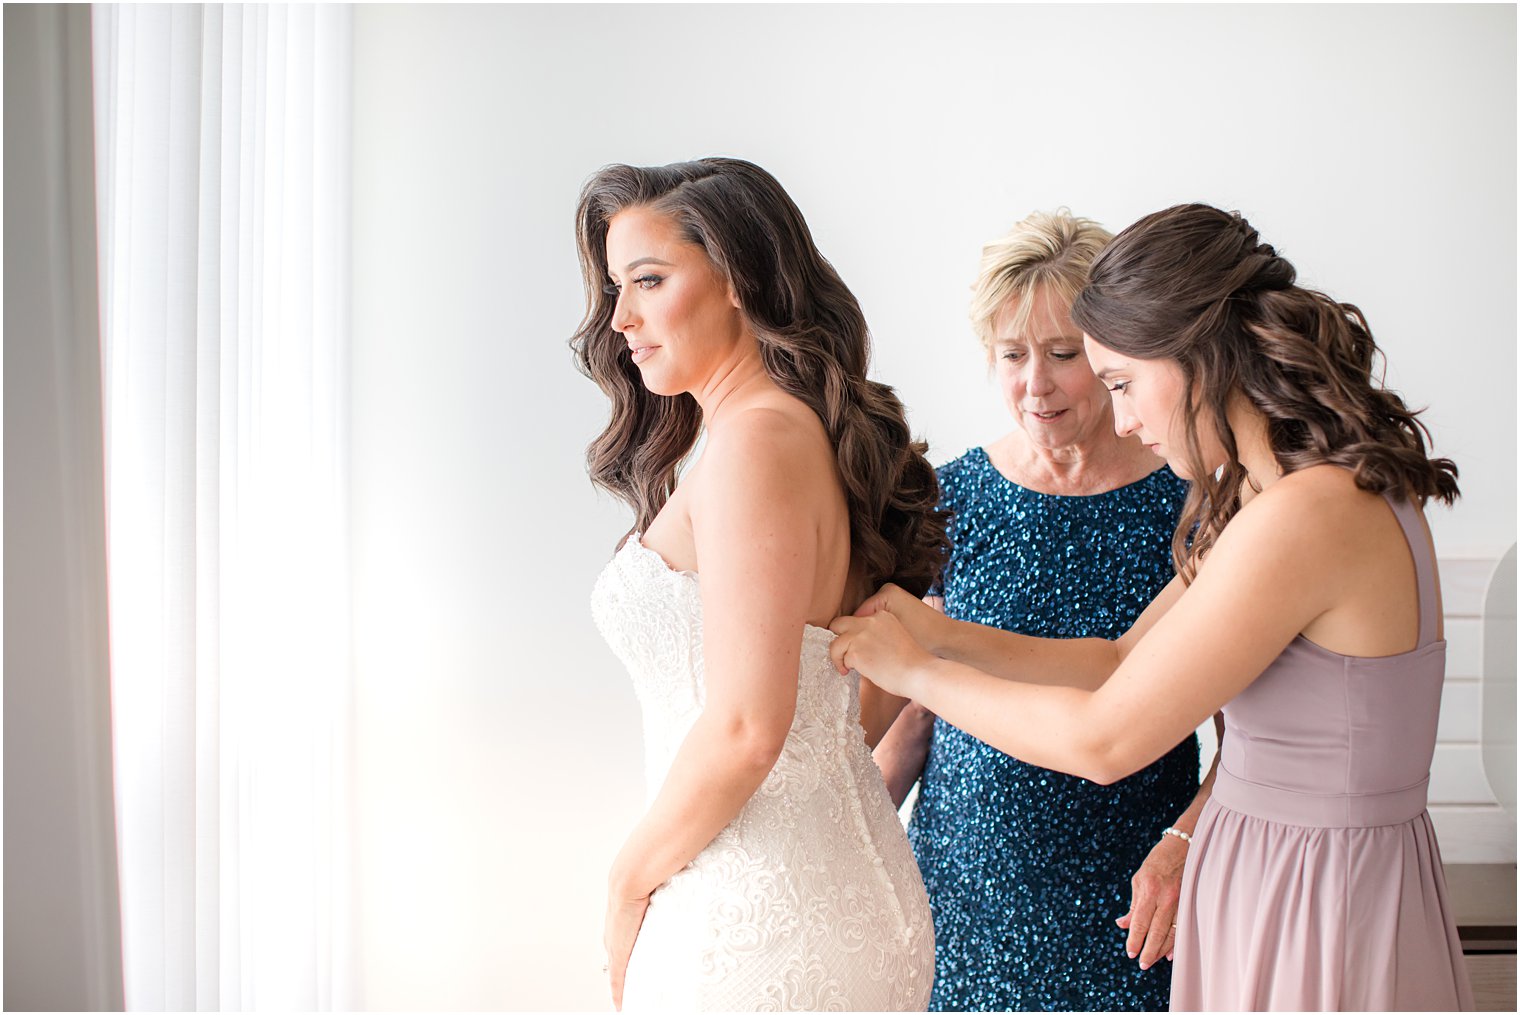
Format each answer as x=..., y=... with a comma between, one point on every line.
x=809, y=900
x=1314, y=881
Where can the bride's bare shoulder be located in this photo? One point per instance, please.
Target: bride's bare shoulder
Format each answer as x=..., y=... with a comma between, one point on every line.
x=784, y=430
x=769, y=450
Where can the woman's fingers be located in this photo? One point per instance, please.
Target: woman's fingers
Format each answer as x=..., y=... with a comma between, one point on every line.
x=617, y=968
x=1142, y=910
x=623, y=923
x=1139, y=926
x=843, y=627
x=1154, y=891
x=1152, y=932
x=1158, y=937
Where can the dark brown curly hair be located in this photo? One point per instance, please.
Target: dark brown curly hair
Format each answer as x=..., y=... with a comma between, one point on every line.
x=1198, y=286
x=813, y=343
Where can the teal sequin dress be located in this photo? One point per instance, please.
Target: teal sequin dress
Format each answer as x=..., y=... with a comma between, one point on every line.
x=1027, y=869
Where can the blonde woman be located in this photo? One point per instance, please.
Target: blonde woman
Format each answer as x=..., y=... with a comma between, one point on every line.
x=1059, y=529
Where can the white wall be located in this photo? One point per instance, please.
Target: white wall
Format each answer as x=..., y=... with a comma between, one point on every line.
x=500, y=752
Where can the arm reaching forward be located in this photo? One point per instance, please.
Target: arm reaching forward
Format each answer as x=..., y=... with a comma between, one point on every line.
x=1129, y=701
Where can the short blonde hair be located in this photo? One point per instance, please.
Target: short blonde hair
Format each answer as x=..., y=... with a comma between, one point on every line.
x=1051, y=249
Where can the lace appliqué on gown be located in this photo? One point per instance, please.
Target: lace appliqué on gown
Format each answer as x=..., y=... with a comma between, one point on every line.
x=810, y=899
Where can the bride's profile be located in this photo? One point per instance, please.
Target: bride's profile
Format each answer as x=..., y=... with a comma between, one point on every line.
x=770, y=870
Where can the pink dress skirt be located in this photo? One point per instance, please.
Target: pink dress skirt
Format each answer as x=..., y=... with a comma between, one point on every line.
x=1314, y=882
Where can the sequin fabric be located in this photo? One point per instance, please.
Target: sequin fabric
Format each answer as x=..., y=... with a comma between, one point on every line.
x=1026, y=868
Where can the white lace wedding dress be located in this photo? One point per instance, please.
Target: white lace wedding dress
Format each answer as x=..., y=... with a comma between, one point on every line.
x=810, y=899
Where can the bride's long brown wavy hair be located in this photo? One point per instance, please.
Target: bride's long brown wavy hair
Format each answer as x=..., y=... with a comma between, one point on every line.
x=1198, y=286
x=813, y=343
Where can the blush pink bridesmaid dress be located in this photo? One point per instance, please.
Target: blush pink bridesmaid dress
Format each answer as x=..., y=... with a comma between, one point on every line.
x=1314, y=882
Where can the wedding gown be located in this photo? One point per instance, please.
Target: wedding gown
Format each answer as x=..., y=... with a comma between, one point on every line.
x=810, y=899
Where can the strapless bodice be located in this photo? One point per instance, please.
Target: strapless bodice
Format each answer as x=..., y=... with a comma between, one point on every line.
x=809, y=899
x=651, y=616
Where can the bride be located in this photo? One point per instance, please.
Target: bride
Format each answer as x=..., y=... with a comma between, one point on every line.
x=770, y=871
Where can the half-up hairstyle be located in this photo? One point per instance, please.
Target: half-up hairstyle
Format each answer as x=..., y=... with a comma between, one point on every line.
x=813, y=343
x=1198, y=286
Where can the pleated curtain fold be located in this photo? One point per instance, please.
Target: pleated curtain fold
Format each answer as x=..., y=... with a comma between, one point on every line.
x=223, y=176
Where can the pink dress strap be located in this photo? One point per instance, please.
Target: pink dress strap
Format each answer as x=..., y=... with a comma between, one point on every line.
x=1408, y=515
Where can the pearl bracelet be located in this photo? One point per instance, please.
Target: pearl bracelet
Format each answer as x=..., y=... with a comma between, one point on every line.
x=1179, y=833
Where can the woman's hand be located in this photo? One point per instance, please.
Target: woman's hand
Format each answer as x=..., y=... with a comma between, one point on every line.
x=922, y=621
x=880, y=649
x=624, y=918
x=1154, y=890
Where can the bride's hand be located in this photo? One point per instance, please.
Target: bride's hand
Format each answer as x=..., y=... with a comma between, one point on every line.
x=624, y=918
x=880, y=649
x=921, y=620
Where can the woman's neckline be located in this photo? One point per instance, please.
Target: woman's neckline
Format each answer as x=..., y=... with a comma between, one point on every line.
x=992, y=466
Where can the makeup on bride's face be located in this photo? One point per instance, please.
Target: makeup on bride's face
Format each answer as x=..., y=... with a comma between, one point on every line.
x=674, y=309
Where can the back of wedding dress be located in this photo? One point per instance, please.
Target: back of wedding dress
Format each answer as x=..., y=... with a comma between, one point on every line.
x=810, y=899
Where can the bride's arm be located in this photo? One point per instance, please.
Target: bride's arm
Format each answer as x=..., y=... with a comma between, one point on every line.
x=756, y=533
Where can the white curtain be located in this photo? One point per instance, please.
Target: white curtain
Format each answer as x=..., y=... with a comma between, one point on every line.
x=223, y=140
